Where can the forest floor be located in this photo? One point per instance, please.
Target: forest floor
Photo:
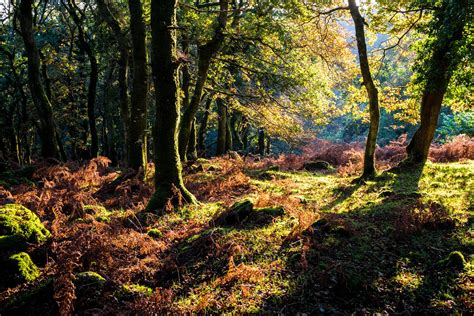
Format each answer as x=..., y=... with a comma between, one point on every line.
x=296, y=241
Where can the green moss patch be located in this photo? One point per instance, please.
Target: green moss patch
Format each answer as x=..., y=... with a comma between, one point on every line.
x=23, y=267
x=18, y=226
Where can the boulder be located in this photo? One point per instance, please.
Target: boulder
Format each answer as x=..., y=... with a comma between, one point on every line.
x=317, y=165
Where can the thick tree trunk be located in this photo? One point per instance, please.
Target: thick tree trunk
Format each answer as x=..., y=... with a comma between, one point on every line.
x=86, y=47
x=205, y=54
x=49, y=145
x=452, y=17
x=221, y=127
x=169, y=186
x=138, y=111
x=369, y=155
x=201, y=141
x=236, y=128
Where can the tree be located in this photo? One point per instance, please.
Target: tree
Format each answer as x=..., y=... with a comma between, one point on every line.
x=169, y=186
x=443, y=52
x=372, y=92
x=137, y=152
x=86, y=46
x=205, y=54
x=47, y=132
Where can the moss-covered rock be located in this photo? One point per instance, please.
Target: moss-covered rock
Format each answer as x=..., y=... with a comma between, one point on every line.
x=19, y=226
x=130, y=292
x=454, y=260
x=236, y=214
x=155, y=233
x=23, y=268
x=89, y=278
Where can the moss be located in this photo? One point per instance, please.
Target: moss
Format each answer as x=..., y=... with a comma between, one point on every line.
x=155, y=232
x=89, y=278
x=132, y=291
x=18, y=226
x=24, y=268
x=454, y=260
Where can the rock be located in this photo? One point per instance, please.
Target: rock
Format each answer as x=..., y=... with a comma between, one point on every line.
x=155, y=233
x=21, y=268
x=237, y=213
x=19, y=226
x=317, y=165
x=130, y=292
x=454, y=260
x=234, y=155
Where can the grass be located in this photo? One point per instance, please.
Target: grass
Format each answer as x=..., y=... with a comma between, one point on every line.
x=314, y=243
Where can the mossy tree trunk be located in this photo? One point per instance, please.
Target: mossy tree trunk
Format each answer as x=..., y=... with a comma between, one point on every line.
x=369, y=155
x=192, y=145
x=451, y=20
x=137, y=152
x=165, y=66
x=205, y=54
x=86, y=46
x=47, y=133
x=236, y=129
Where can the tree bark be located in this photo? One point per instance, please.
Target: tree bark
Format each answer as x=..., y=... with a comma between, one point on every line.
x=47, y=133
x=192, y=145
x=261, y=142
x=138, y=111
x=221, y=127
x=201, y=141
x=169, y=186
x=372, y=92
x=439, y=72
x=205, y=54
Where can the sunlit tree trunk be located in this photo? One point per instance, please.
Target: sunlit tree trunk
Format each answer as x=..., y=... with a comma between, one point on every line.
x=47, y=133
x=452, y=17
x=165, y=66
x=369, y=155
x=137, y=152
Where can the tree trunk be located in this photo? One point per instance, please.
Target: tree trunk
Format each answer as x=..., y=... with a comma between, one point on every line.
x=228, y=133
x=221, y=127
x=124, y=48
x=236, y=129
x=261, y=142
x=369, y=155
x=138, y=111
x=86, y=47
x=452, y=18
x=169, y=186
x=49, y=145
x=205, y=54
x=201, y=142
x=192, y=145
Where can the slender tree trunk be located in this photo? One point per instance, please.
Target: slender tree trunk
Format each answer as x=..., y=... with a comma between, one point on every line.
x=169, y=186
x=228, y=133
x=452, y=18
x=236, y=124
x=124, y=48
x=192, y=149
x=221, y=127
x=93, y=77
x=205, y=54
x=369, y=155
x=261, y=142
x=201, y=142
x=138, y=112
x=49, y=145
